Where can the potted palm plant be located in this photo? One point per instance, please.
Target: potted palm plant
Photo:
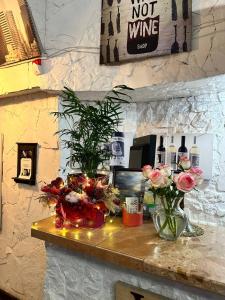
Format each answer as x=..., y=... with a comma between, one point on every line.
x=90, y=127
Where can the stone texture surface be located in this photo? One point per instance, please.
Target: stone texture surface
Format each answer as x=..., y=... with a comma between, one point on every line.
x=77, y=277
x=76, y=48
x=71, y=52
x=22, y=258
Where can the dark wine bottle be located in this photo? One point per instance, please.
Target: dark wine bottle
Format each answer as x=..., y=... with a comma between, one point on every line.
x=185, y=9
x=110, y=26
x=118, y=21
x=102, y=27
x=116, y=52
x=185, y=47
x=108, y=52
x=174, y=10
x=161, y=152
x=175, y=46
x=101, y=56
x=182, y=151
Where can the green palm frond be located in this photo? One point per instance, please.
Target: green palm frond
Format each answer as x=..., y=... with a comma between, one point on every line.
x=91, y=126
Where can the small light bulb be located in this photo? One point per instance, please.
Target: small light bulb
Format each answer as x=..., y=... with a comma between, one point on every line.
x=89, y=234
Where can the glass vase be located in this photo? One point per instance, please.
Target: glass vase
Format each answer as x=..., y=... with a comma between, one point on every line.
x=169, y=219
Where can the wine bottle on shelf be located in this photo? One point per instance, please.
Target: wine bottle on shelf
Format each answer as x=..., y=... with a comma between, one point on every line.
x=108, y=52
x=185, y=9
x=175, y=46
x=116, y=52
x=161, y=152
x=172, y=155
x=194, y=154
x=110, y=25
x=182, y=151
x=185, y=47
x=118, y=20
x=174, y=10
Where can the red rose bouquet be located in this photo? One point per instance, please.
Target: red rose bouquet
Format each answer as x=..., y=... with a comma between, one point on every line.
x=83, y=202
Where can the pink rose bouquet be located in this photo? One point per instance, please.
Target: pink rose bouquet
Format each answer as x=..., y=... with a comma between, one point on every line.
x=170, y=188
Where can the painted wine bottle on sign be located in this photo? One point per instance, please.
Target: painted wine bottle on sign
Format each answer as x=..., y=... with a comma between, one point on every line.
x=143, y=27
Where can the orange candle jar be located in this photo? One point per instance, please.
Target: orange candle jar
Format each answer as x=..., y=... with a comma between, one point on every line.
x=132, y=220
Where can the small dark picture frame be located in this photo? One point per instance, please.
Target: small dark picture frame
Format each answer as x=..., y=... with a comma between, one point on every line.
x=130, y=182
x=26, y=163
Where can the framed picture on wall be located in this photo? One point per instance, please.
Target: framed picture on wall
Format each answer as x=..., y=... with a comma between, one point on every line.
x=26, y=163
x=18, y=39
x=139, y=29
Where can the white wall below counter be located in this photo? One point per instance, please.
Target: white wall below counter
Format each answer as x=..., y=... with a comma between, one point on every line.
x=72, y=276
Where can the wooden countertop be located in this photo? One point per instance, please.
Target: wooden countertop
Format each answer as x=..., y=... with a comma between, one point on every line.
x=198, y=262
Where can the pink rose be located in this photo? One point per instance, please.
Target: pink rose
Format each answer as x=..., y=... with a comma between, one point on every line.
x=197, y=173
x=184, y=162
x=158, y=180
x=185, y=182
x=146, y=170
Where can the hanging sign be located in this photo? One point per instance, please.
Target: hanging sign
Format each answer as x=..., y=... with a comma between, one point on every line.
x=133, y=29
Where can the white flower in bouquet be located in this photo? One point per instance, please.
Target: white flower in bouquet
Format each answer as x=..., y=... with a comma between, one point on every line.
x=73, y=197
x=184, y=163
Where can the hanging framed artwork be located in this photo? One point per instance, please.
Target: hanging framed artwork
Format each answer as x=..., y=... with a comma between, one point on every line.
x=26, y=163
x=18, y=39
x=132, y=29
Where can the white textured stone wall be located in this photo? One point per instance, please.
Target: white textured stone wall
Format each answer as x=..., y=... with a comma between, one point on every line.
x=22, y=258
x=70, y=34
x=81, y=32
x=72, y=39
x=73, y=276
x=203, y=114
